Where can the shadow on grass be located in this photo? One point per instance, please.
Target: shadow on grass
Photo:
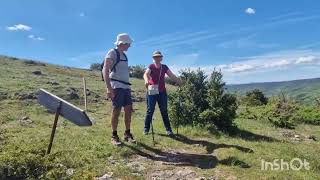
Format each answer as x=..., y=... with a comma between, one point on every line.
x=249, y=136
x=210, y=147
x=203, y=161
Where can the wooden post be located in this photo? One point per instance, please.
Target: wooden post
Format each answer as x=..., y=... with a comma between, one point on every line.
x=54, y=127
x=85, y=93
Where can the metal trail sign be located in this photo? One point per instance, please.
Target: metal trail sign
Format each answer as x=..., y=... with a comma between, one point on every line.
x=63, y=108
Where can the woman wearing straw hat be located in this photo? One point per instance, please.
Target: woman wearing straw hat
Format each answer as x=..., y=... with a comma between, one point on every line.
x=155, y=83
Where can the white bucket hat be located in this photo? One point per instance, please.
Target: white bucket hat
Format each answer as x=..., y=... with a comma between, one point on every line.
x=123, y=38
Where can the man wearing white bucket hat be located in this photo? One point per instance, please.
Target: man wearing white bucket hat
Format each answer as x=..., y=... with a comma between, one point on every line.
x=116, y=76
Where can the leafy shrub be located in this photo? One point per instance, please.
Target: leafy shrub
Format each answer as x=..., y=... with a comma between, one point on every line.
x=169, y=81
x=284, y=115
x=137, y=71
x=95, y=67
x=255, y=98
x=24, y=165
x=309, y=115
x=32, y=163
x=204, y=101
x=34, y=63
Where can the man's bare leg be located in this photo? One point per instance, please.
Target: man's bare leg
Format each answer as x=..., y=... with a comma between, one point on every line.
x=127, y=116
x=127, y=120
x=114, y=124
x=115, y=118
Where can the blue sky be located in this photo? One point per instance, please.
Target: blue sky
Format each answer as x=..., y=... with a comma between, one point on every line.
x=250, y=41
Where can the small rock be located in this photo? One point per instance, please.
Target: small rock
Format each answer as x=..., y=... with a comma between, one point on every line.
x=162, y=174
x=312, y=137
x=73, y=95
x=3, y=95
x=25, y=96
x=296, y=136
x=37, y=72
x=70, y=172
x=25, y=121
x=186, y=173
x=106, y=176
x=24, y=118
x=54, y=83
x=136, y=166
x=94, y=100
x=71, y=89
x=111, y=160
x=136, y=174
x=288, y=134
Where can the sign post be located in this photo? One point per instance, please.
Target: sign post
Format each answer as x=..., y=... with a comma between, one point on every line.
x=54, y=127
x=85, y=93
x=62, y=108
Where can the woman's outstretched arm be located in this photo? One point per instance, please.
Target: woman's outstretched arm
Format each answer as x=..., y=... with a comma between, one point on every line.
x=174, y=77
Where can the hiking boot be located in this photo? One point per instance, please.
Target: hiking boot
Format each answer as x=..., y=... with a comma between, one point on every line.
x=145, y=132
x=115, y=140
x=128, y=137
x=170, y=133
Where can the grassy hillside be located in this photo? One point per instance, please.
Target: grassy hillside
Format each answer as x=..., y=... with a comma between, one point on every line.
x=86, y=153
x=305, y=91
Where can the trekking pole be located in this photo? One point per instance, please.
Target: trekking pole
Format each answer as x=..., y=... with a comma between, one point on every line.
x=152, y=132
x=179, y=110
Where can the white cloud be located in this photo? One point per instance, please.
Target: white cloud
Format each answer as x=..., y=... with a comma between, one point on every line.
x=250, y=11
x=266, y=62
x=36, y=37
x=19, y=27
x=306, y=60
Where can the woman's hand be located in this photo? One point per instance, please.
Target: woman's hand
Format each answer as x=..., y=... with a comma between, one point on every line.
x=146, y=84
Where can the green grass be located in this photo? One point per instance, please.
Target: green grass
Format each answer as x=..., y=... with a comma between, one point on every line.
x=87, y=150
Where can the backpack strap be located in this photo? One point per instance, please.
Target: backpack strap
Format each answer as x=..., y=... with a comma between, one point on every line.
x=123, y=82
x=113, y=69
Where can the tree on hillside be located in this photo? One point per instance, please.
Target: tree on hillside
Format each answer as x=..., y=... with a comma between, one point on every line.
x=204, y=101
x=95, y=66
x=255, y=98
x=137, y=71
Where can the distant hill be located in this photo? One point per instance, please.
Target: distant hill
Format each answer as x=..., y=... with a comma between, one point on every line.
x=305, y=90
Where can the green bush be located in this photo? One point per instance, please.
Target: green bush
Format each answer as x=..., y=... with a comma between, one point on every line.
x=222, y=106
x=169, y=81
x=284, y=115
x=137, y=71
x=309, y=115
x=95, y=67
x=255, y=98
x=33, y=163
x=204, y=101
x=34, y=63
